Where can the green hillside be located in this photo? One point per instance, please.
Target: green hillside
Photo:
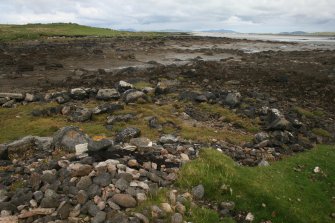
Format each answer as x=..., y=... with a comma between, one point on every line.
x=38, y=31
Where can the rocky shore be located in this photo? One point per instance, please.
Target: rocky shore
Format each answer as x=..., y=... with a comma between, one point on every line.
x=256, y=108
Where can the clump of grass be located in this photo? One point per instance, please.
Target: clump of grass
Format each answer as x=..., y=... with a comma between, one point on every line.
x=229, y=116
x=207, y=134
x=321, y=132
x=288, y=191
x=204, y=215
x=17, y=185
x=194, y=214
x=142, y=84
x=307, y=113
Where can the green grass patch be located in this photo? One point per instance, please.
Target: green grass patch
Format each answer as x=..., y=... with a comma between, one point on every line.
x=229, y=116
x=290, y=190
x=142, y=84
x=18, y=122
x=307, y=113
x=204, y=215
x=166, y=113
x=37, y=31
x=193, y=214
x=321, y=132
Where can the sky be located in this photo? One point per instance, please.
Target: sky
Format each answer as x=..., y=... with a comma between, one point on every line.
x=250, y=16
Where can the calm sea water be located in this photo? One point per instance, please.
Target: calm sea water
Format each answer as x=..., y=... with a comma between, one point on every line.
x=280, y=38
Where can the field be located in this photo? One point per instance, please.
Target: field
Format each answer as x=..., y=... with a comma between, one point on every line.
x=40, y=31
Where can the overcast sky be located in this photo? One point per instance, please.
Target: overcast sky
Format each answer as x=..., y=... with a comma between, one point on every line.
x=238, y=15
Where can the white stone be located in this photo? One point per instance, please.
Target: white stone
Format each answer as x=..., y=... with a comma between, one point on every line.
x=141, y=197
x=111, y=161
x=250, y=217
x=143, y=185
x=184, y=157
x=81, y=148
x=317, y=169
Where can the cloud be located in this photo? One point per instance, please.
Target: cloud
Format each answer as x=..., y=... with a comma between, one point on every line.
x=246, y=15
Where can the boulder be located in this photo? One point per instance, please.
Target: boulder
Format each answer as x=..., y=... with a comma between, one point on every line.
x=124, y=200
x=119, y=118
x=22, y=146
x=9, y=104
x=124, y=86
x=166, y=86
x=198, y=192
x=107, y=94
x=279, y=124
x=127, y=133
x=276, y=121
x=103, y=179
x=30, y=97
x=232, y=99
x=3, y=152
x=18, y=96
x=201, y=98
x=99, y=217
x=78, y=93
x=80, y=115
x=133, y=95
x=107, y=108
x=154, y=123
x=177, y=218
x=142, y=144
x=62, y=99
x=97, y=145
x=68, y=137
x=3, y=100
x=168, y=139
x=261, y=136
x=64, y=210
x=79, y=170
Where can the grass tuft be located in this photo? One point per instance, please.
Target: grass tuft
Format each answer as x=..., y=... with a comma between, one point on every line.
x=307, y=113
x=321, y=132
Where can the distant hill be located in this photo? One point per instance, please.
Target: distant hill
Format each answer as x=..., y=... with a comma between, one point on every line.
x=173, y=30
x=293, y=33
x=127, y=30
x=38, y=31
x=220, y=31
x=324, y=34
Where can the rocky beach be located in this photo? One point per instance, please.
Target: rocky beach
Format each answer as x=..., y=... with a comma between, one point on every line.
x=99, y=129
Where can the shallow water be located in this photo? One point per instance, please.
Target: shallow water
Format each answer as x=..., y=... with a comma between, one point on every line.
x=302, y=42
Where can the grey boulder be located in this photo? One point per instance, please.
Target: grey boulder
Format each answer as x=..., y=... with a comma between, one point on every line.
x=107, y=94
x=68, y=137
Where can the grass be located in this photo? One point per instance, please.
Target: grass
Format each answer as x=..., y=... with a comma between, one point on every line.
x=229, y=116
x=204, y=215
x=307, y=113
x=321, y=132
x=18, y=122
x=166, y=113
x=38, y=31
x=290, y=189
x=142, y=84
x=193, y=214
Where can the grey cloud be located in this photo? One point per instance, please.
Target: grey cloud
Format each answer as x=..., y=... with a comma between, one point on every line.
x=246, y=15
